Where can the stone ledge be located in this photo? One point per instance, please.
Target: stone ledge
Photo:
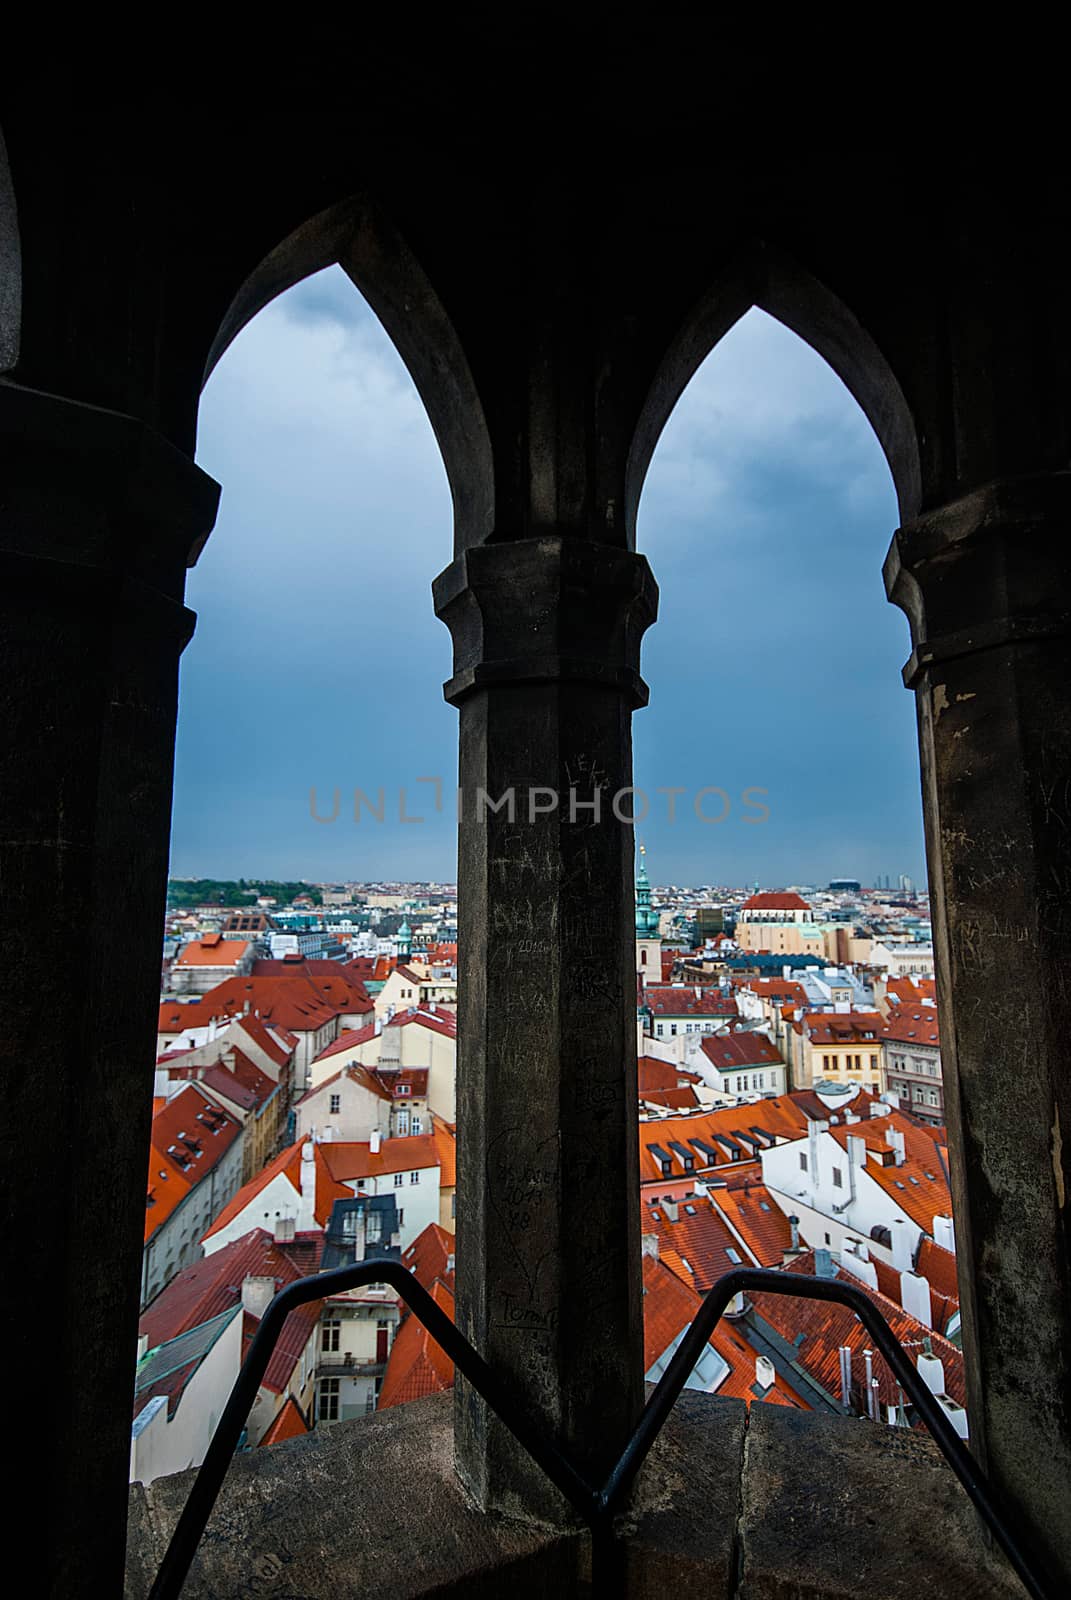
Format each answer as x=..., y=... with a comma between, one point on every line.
x=774, y=1504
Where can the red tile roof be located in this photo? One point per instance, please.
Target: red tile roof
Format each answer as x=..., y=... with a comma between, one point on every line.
x=920, y=1186
x=727, y=1051
x=777, y=990
x=911, y=991
x=430, y=1257
x=212, y=951
x=214, y=1284
x=347, y=1040
x=276, y=1049
x=841, y=1027
x=364, y=1076
x=443, y=1022
x=696, y=1245
x=908, y=1024
x=350, y=1162
x=417, y=1366
x=672, y=1000
x=289, y=1424
x=827, y=1326
x=664, y=1083
x=296, y=1002
x=668, y=1308
x=772, y=900
x=734, y=1133
x=756, y=1218
x=189, y=1136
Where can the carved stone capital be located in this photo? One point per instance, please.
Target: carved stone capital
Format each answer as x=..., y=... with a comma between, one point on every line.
x=988, y=570
x=98, y=490
x=547, y=610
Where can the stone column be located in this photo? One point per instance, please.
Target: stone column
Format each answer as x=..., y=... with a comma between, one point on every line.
x=97, y=518
x=546, y=648
x=986, y=584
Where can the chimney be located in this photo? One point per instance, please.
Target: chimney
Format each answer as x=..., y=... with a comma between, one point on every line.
x=374, y=1142
x=284, y=1230
x=649, y=1245
x=931, y=1370
x=257, y=1294
x=915, y=1298
x=846, y=1376
x=896, y=1139
x=765, y=1372
x=823, y=1263
x=814, y=1128
x=856, y=1151
x=903, y=1250
x=306, y=1218
x=859, y=1265
x=794, y=1225
x=671, y=1210
x=450, y=1262
x=944, y=1233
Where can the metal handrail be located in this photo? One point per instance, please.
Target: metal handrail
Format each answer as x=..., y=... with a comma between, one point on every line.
x=597, y=1506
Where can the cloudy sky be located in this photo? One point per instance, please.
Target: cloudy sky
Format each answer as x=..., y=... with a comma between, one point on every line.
x=318, y=662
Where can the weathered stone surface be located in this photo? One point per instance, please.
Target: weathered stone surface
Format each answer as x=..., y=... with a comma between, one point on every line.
x=770, y=1504
x=546, y=655
x=837, y=1509
x=97, y=518
x=368, y=1507
x=985, y=584
x=680, y=1528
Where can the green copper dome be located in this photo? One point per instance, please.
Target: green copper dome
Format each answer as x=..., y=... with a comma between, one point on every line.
x=647, y=919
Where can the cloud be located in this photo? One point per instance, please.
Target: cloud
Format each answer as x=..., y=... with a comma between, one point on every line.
x=318, y=660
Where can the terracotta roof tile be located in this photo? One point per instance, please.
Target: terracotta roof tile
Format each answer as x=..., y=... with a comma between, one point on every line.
x=212, y=951
x=289, y=1424
x=189, y=1136
x=772, y=900
x=417, y=1366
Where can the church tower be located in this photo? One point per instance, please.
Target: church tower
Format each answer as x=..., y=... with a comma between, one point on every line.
x=648, y=936
x=404, y=937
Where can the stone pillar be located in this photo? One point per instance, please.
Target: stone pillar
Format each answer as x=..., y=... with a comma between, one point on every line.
x=986, y=584
x=97, y=518
x=546, y=648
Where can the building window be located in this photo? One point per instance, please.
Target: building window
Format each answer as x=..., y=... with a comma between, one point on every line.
x=803, y=1161
x=399, y=1179
x=418, y=1126
x=873, y=1063
x=328, y=1400
x=332, y=1333
x=336, y=1104
x=414, y=1177
x=838, y=1178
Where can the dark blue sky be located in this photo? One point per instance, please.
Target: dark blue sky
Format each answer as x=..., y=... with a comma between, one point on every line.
x=318, y=661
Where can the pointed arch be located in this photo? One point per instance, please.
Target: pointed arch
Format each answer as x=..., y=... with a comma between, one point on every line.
x=358, y=237
x=10, y=267
x=784, y=290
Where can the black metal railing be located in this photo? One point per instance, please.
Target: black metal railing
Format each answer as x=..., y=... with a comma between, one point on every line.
x=597, y=1505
